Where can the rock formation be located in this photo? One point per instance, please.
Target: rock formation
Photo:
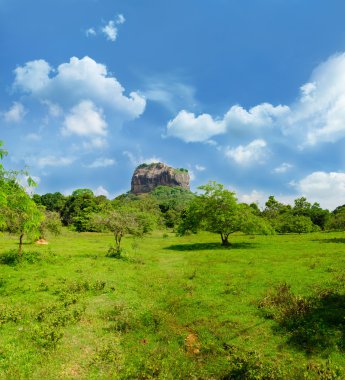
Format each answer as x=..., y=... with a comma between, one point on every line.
x=146, y=177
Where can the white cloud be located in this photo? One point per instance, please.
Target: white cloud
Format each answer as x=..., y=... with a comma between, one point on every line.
x=200, y=168
x=101, y=163
x=190, y=128
x=319, y=114
x=110, y=31
x=120, y=19
x=33, y=76
x=85, y=119
x=262, y=115
x=253, y=153
x=170, y=92
x=94, y=143
x=15, y=114
x=101, y=191
x=283, y=168
x=52, y=161
x=54, y=109
x=75, y=81
x=328, y=189
x=253, y=197
x=90, y=32
x=136, y=160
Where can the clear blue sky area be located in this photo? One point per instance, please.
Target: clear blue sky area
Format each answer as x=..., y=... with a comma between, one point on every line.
x=249, y=93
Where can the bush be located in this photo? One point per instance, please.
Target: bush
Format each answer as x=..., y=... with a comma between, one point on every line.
x=12, y=258
x=114, y=252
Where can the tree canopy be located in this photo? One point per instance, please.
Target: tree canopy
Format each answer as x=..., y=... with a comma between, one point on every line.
x=216, y=210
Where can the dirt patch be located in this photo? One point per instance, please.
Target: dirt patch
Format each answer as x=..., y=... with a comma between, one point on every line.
x=41, y=241
x=192, y=344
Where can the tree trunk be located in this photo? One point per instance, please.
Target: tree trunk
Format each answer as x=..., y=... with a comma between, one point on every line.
x=20, y=245
x=225, y=241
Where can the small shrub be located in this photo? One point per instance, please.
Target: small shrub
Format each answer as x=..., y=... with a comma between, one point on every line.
x=9, y=314
x=114, y=252
x=120, y=318
x=10, y=258
x=248, y=365
x=46, y=336
x=323, y=371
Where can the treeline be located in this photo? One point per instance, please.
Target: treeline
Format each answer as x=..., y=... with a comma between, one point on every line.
x=168, y=207
x=164, y=204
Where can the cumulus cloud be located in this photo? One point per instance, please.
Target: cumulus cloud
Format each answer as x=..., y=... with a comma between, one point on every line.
x=101, y=163
x=283, y=168
x=191, y=128
x=319, y=114
x=77, y=80
x=85, y=119
x=328, y=189
x=254, y=152
x=33, y=76
x=262, y=115
x=110, y=31
x=15, y=114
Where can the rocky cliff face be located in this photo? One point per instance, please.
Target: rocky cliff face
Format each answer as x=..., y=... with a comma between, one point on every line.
x=148, y=176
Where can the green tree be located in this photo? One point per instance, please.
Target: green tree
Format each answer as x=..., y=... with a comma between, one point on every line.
x=172, y=201
x=19, y=214
x=50, y=224
x=217, y=210
x=80, y=207
x=51, y=201
x=290, y=223
x=122, y=221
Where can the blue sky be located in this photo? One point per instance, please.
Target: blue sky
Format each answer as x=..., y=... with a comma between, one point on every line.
x=249, y=93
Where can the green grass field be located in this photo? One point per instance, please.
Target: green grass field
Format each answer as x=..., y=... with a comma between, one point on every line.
x=174, y=308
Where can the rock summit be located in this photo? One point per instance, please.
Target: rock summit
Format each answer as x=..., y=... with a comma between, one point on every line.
x=146, y=177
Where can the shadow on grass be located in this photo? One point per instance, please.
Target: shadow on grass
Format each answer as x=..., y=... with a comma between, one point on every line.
x=314, y=325
x=209, y=246
x=333, y=240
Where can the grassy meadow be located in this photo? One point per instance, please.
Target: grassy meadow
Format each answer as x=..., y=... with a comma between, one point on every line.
x=268, y=307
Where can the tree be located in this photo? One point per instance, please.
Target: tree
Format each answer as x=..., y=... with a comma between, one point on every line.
x=172, y=201
x=21, y=214
x=79, y=208
x=217, y=210
x=51, y=201
x=296, y=224
x=122, y=221
x=51, y=223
